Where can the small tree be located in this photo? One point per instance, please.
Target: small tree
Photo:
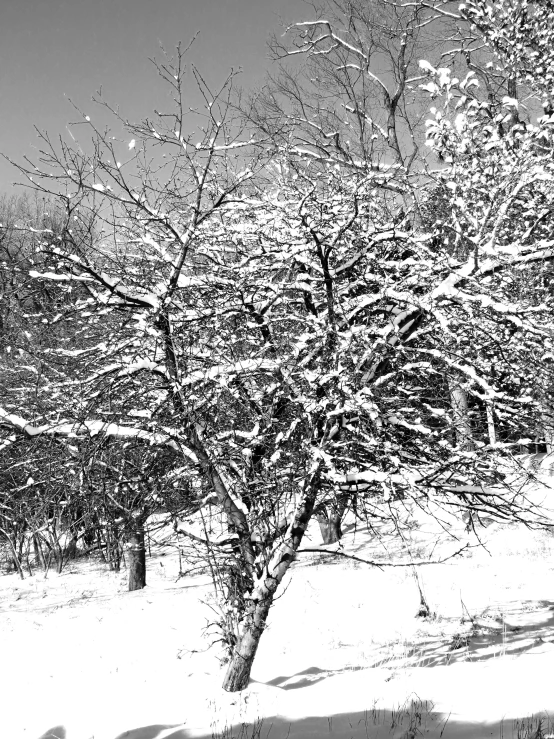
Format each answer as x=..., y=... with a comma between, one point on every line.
x=126, y=481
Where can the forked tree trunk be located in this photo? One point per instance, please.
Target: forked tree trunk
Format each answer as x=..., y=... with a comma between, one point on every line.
x=253, y=625
x=136, y=552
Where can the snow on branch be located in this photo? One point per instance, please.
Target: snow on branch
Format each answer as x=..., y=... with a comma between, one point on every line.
x=75, y=429
x=247, y=365
x=60, y=278
x=113, y=284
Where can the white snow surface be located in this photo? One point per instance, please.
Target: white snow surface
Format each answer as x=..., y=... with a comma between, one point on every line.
x=344, y=655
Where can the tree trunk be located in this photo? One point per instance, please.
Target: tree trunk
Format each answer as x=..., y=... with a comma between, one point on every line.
x=460, y=412
x=113, y=549
x=240, y=666
x=39, y=554
x=56, y=549
x=512, y=119
x=548, y=428
x=136, y=551
x=15, y=558
x=59, y=559
x=28, y=557
x=17, y=564
x=71, y=548
x=330, y=527
x=423, y=611
x=549, y=439
x=490, y=424
x=261, y=600
x=103, y=556
x=546, y=406
x=330, y=520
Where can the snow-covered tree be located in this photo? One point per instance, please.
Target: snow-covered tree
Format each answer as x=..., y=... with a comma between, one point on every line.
x=497, y=206
x=34, y=318
x=270, y=318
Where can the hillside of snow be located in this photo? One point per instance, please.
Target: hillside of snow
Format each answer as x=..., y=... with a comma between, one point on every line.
x=344, y=655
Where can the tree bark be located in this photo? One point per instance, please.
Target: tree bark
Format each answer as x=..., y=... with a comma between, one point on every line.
x=330, y=527
x=547, y=422
x=490, y=424
x=15, y=558
x=71, y=548
x=253, y=625
x=58, y=554
x=113, y=549
x=136, y=551
x=100, y=544
x=39, y=554
x=549, y=439
x=460, y=412
x=330, y=520
x=546, y=407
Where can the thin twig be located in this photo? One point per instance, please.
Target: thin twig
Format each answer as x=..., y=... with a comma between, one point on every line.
x=386, y=564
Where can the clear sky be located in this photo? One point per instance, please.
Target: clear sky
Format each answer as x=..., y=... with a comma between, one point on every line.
x=53, y=50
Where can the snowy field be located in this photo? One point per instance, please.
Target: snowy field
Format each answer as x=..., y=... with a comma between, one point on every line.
x=344, y=655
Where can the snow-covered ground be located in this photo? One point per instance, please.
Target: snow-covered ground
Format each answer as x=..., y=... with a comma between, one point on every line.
x=344, y=655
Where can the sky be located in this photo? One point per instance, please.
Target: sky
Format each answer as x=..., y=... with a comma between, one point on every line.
x=56, y=51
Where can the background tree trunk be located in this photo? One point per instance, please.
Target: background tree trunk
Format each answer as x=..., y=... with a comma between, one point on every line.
x=490, y=424
x=546, y=407
x=460, y=412
x=136, y=551
x=39, y=554
x=330, y=527
x=330, y=518
x=15, y=558
x=547, y=423
x=71, y=548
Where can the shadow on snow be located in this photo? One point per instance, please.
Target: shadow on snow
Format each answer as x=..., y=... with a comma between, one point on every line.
x=524, y=626
x=413, y=719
